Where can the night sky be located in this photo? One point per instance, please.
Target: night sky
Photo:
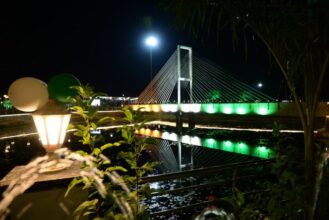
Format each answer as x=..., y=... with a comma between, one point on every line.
x=102, y=43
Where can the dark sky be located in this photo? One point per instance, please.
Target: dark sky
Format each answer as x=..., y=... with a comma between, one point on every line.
x=101, y=42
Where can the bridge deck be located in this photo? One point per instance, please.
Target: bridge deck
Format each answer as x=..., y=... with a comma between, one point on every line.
x=259, y=109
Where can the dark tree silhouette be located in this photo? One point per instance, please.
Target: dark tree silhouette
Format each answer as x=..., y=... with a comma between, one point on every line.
x=296, y=34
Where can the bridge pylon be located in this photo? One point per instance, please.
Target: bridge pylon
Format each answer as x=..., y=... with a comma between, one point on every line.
x=189, y=77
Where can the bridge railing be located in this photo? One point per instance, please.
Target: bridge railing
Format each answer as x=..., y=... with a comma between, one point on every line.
x=238, y=173
x=257, y=108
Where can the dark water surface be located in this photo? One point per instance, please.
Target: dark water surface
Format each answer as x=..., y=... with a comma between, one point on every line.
x=199, y=149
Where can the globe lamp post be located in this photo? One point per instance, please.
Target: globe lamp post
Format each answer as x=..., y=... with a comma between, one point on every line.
x=51, y=119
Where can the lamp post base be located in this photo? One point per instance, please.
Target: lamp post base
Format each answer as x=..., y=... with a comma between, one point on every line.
x=55, y=164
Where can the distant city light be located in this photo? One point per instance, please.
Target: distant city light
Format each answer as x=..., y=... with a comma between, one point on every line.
x=7, y=149
x=260, y=85
x=151, y=41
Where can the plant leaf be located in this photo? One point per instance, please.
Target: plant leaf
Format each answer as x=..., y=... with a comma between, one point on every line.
x=109, y=145
x=72, y=184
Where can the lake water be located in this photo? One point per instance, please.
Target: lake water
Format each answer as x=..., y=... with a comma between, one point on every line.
x=198, y=147
x=176, y=151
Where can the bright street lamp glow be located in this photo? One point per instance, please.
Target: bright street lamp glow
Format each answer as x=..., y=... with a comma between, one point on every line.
x=260, y=85
x=151, y=41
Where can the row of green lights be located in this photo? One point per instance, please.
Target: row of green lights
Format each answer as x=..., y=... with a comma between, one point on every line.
x=239, y=148
x=240, y=108
x=212, y=108
x=227, y=145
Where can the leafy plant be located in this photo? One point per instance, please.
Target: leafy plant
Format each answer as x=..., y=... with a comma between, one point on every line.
x=97, y=206
x=108, y=207
x=286, y=198
x=137, y=145
x=81, y=105
x=240, y=207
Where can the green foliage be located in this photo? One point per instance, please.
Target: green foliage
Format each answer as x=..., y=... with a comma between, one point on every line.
x=7, y=104
x=245, y=96
x=286, y=198
x=72, y=184
x=86, y=208
x=214, y=96
x=108, y=207
x=238, y=206
x=81, y=105
x=132, y=157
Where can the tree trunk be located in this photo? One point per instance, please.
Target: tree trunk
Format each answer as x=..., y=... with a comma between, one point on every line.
x=314, y=168
x=310, y=173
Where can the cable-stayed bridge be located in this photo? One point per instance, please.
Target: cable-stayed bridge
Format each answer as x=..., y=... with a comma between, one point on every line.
x=188, y=83
x=188, y=78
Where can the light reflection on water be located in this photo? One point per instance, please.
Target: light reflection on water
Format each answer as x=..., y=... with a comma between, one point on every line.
x=239, y=147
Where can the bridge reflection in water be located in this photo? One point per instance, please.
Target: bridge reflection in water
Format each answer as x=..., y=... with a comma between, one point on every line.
x=183, y=154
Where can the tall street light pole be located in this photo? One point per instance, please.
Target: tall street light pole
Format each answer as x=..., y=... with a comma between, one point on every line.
x=151, y=72
x=151, y=42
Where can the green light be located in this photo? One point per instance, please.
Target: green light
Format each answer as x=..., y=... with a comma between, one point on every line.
x=226, y=108
x=238, y=147
x=211, y=143
x=227, y=143
x=264, y=108
x=210, y=108
x=242, y=109
x=262, y=152
x=262, y=111
x=210, y=140
x=242, y=148
x=227, y=146
x=241, y=145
